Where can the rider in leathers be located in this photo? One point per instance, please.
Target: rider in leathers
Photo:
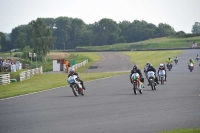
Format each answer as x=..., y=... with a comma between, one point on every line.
x=162, y=67
x=151, y=68
x=190, y=61
x=72, y=72
x=169, y=61
x=136, y=70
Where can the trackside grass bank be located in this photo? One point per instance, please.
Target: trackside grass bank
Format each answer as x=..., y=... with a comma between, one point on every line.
x=183, y=130
x=44, y=81
x=154, y=57
x=158, y=43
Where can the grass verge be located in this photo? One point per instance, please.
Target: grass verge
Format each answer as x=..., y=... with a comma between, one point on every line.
x=154, y=57
x=44, y=82
x=163, y=42
x=183, y=130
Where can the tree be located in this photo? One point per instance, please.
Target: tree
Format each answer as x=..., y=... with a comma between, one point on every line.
x=63, y=28
x=42, y=39
x=2, y=39
x=124, y=28
x=108, y=28
x=196, y=28
x=165, y=30
x=5, y=45
x=21, y=36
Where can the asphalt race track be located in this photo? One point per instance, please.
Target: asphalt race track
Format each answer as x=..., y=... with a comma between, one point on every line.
x=109, y=106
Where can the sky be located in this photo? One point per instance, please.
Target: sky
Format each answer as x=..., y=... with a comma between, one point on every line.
x=180, y=14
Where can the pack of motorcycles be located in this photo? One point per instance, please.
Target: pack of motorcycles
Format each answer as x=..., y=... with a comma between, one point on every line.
x=77, y=88
x=151, y=77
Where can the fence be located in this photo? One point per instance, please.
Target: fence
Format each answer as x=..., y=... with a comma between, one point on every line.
x=79, y=64
x=30, y=73
x=4, y=79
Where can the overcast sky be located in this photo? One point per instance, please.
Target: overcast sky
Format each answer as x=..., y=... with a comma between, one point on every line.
x=180, y=14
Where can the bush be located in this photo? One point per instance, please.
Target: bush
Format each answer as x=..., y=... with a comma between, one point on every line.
x=18, y=55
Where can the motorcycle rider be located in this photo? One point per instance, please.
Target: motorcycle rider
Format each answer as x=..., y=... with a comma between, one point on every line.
x=190, y=61
x=146, y=67
x=176, y=58
x=169, y=61
x=162, y=67
x=197, y=56
x=151, y=68
x=136, y=70
x=72, y=72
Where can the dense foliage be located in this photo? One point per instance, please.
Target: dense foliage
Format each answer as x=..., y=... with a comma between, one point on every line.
x=63, y=33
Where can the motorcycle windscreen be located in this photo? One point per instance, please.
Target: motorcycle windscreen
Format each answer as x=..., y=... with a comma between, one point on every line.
x=70, y=80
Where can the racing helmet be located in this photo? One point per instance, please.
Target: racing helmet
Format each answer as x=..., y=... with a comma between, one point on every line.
x=71, y=71
x=161, y=65
x=135, y=67
x=150, y=65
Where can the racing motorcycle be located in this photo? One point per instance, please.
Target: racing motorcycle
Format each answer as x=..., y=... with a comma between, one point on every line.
x=176, y=61
x=161, y=75
x=151, y=78
x=76, y=86
x=197, y=58
x=191, y=67
x=136, y=82
x=169, y=66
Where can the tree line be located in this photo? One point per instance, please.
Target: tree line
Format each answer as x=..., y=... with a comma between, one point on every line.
x=45, y=34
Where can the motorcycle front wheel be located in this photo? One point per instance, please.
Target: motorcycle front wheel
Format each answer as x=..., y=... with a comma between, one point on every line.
x=162, y=80
x=135, y=88
x=75, y=90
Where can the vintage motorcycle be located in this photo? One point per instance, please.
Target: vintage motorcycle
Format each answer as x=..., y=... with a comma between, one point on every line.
x=176, y=61
x=169, y=66
x=161, y=75
x=151, y=78
x=137, y=85
x=191, y=67
x=76, y=86
x=197, y=58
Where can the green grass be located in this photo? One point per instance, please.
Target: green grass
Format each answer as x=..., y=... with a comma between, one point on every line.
x=164, y=42
x=154, y=57
x=183, y=130
x=44, y=82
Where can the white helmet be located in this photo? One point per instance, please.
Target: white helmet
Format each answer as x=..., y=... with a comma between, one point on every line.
x=71, y=71
x=161, y=65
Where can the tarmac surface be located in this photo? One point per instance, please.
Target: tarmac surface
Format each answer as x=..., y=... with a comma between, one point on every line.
x=111, y=62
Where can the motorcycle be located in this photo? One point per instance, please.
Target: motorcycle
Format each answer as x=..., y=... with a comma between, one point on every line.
x=76, y=86
x=136, y=82
x=161, y=75
x=169, y=66
x=176, y=61
x=151, y=78
x=191, y=67
x=197, y=58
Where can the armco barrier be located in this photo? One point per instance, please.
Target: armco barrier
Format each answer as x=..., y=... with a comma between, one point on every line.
x=4, y=79
x=30, y=73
